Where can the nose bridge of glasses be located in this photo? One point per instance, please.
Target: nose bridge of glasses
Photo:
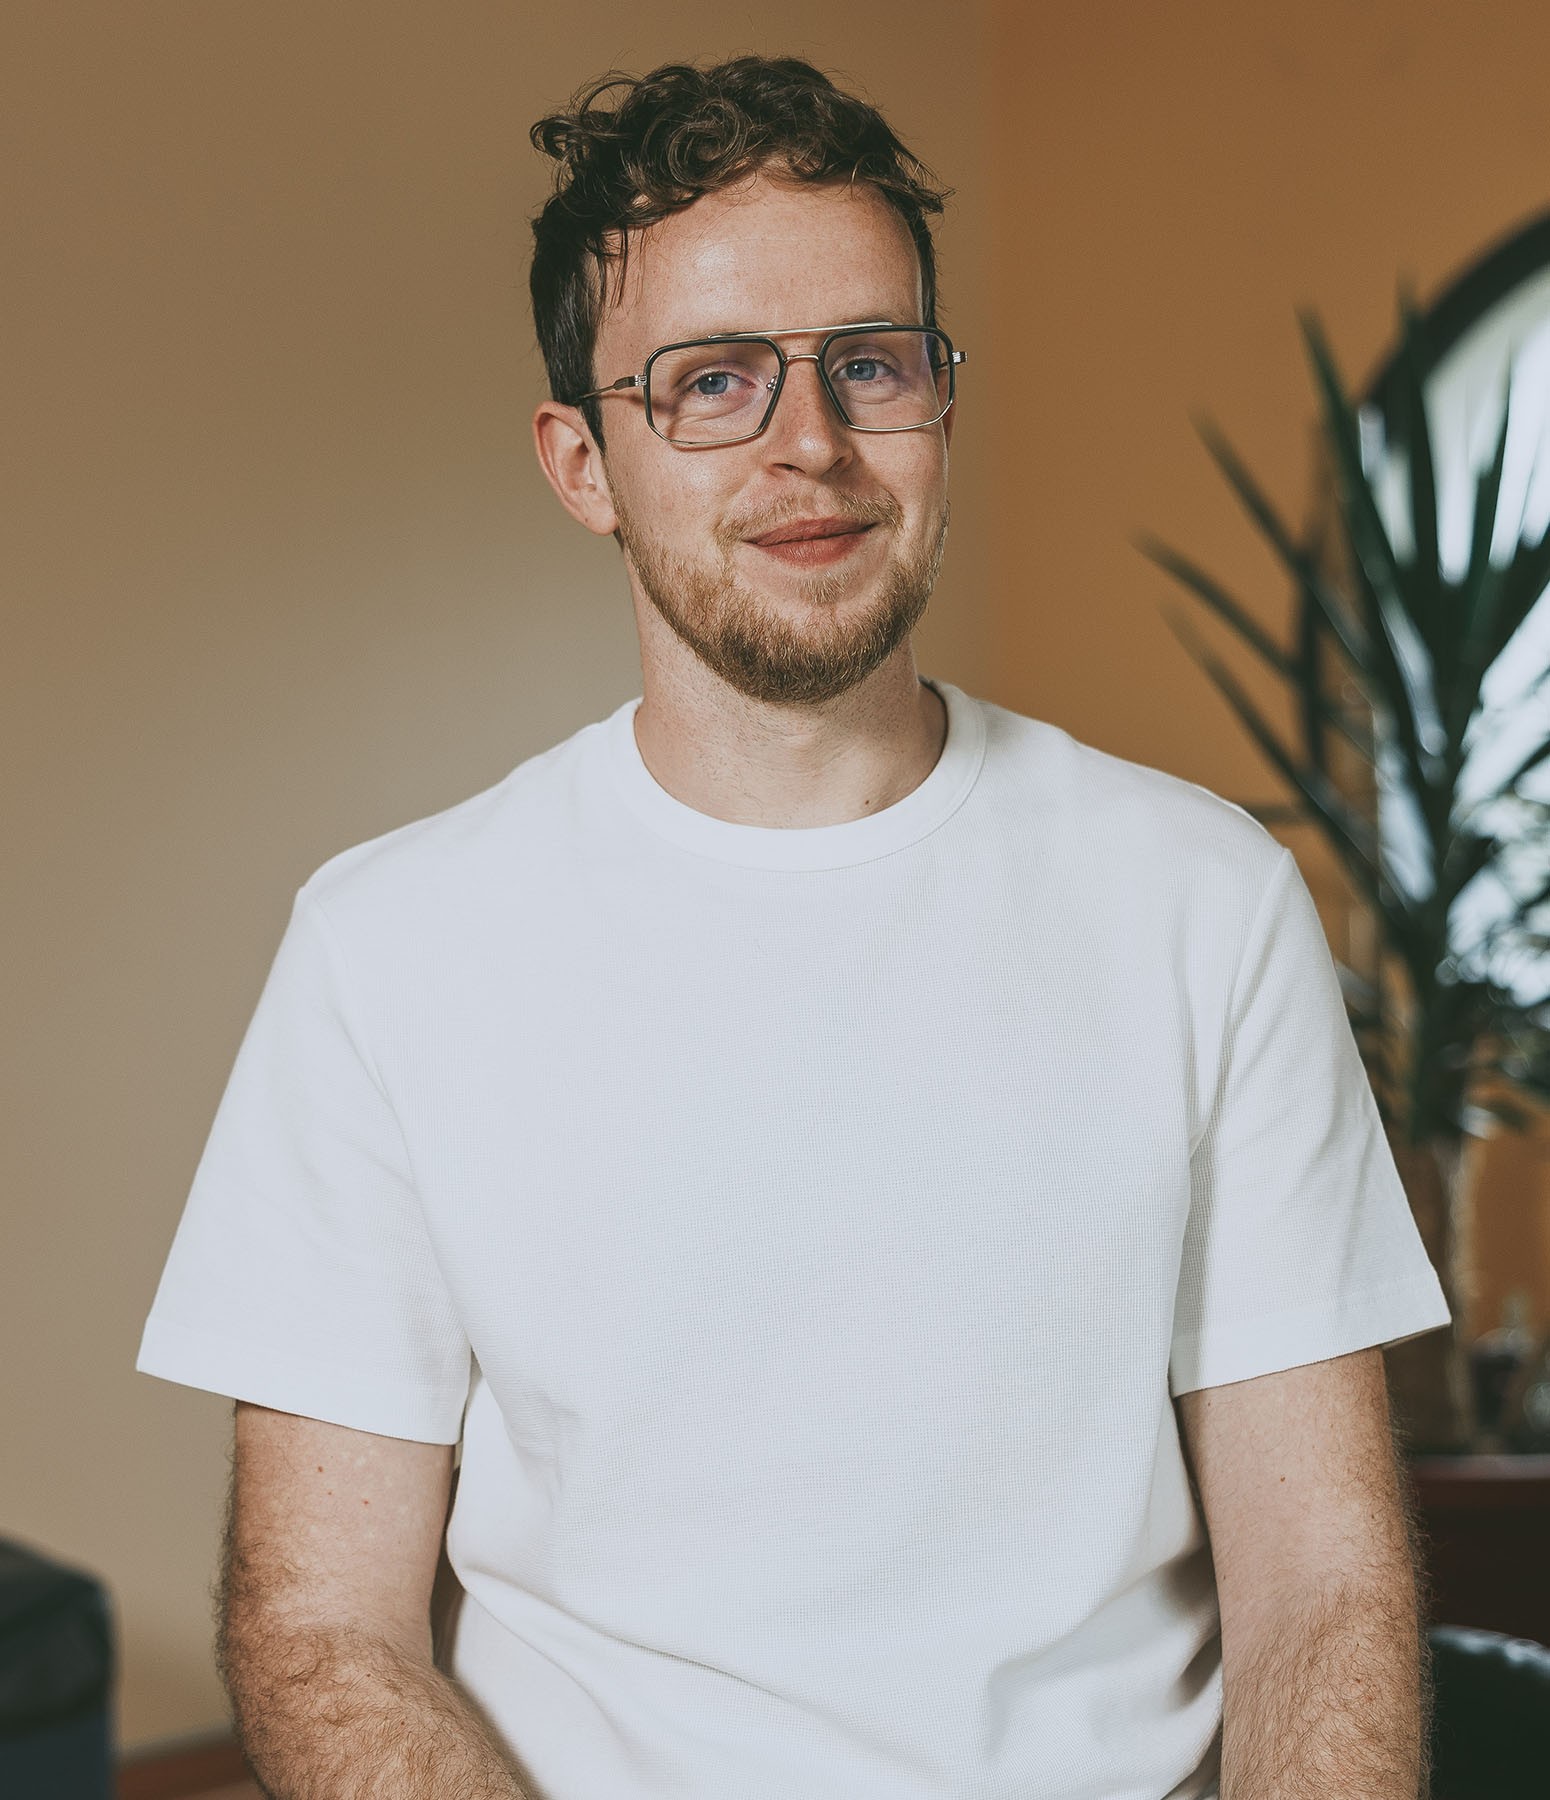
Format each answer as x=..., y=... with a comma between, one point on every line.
x=828, y=400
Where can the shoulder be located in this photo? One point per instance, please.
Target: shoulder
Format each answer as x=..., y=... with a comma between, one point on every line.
x=423, y=870
x=1128, y=824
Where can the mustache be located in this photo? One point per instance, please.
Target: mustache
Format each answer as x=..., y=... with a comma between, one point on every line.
x=858, y=509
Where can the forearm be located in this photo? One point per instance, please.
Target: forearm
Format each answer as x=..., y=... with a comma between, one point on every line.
x=345, y=1715
x=1328, y=1699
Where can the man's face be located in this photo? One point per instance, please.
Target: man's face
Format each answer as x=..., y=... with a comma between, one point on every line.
x=798, y=624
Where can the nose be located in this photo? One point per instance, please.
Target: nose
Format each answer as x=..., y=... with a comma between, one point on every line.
x=805, y=431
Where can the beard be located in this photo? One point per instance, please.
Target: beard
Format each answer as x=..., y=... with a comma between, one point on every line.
x=751, y=643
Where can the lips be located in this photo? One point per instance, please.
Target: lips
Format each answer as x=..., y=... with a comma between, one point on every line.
x=800, y=530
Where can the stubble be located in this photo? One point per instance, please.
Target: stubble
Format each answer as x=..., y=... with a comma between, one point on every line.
x=773, y=651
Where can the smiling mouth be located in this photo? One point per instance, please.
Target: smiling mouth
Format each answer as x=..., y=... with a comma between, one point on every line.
x=813, y=544
x=809, y=530
x=815, y=550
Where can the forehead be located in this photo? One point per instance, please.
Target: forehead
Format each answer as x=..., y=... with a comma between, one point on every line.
x=765, y=255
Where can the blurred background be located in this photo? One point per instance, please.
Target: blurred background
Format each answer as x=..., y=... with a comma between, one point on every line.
x=281, y=572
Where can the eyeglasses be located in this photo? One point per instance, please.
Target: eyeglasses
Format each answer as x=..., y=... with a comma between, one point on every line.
x=723, y=389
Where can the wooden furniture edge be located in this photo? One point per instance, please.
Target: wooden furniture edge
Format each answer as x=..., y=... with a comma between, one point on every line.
x=178, y=1773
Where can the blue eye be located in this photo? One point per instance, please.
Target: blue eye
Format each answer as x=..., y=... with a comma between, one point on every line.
x=868, y=363
x=711, y=393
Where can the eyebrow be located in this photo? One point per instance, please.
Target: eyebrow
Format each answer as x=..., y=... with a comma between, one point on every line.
x=797, y=330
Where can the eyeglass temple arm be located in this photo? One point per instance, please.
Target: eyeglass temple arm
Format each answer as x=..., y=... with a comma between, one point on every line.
x=624, y=381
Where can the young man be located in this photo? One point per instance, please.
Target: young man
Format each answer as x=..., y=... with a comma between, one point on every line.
x=884, y=1194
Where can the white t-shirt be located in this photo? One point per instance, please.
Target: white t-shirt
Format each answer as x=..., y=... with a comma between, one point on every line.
x=805, y=1231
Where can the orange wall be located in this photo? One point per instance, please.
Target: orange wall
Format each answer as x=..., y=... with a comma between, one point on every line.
x=1170, y=184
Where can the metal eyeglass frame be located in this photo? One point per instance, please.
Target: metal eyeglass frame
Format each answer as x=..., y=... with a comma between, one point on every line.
x=642, y=381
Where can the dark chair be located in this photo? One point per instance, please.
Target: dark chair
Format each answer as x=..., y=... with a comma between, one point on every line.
x=1491, y=1715
x=56, y=1674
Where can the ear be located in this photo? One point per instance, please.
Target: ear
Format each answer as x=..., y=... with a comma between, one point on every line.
x=573, y=464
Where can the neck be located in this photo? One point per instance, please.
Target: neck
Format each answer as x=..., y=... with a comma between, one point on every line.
x=785, y=767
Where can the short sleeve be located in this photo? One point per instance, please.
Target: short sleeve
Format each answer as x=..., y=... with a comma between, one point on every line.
x=1300, y=1243
x=301, y=1275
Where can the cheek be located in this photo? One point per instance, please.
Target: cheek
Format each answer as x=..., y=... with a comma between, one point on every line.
x=931, y=457
x=918, y=479
x=677, y=502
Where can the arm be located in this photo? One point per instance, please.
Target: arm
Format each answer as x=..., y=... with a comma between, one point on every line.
x=324, y=1640
x=1325, y=1682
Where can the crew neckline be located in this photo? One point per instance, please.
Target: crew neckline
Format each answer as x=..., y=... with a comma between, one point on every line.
x=852, y=841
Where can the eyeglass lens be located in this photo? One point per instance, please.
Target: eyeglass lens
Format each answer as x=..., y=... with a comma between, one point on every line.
x=889, y=379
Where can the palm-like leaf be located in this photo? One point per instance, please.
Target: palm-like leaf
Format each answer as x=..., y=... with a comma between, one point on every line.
x=1434, y=618
x=1222, y=603
x=1408, y=702
x=1419, y=645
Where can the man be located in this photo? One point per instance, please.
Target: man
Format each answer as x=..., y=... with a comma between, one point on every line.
x=832, y=1151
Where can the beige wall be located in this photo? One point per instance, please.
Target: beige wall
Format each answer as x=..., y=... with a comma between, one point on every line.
x=283, y=574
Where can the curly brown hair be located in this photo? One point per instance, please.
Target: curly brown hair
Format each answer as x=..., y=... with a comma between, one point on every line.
x=676, y=134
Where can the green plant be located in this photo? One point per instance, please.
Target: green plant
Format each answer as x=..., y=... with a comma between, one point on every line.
x=1418, y=644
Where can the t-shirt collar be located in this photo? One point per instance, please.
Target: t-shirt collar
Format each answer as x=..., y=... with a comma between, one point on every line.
x=906, y=822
